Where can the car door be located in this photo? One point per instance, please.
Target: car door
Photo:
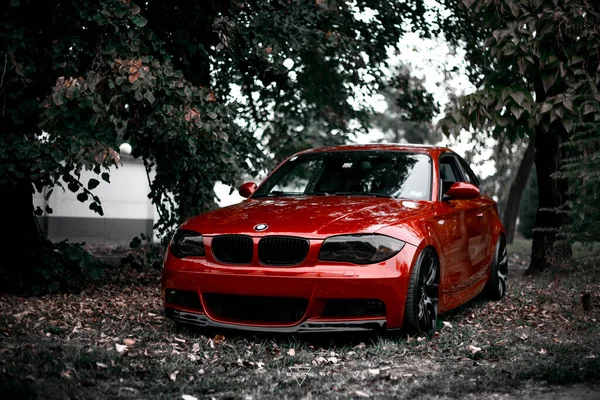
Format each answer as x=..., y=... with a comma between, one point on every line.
x=464, y=232
x=485, y=209
x=451, y=227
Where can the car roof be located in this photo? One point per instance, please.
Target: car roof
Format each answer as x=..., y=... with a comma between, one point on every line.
x=416, y=148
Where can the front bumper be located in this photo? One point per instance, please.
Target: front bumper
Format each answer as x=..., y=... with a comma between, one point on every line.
x=386, y=281
x=201, y=320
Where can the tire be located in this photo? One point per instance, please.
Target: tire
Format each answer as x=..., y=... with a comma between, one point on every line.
x=421, y=309
x=498, y=282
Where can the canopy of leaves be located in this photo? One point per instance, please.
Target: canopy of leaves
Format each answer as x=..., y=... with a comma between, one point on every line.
x=197, y=88
x=538, y=64
x=410, y=110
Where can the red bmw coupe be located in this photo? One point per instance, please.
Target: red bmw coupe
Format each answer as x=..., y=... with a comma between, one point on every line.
x=341, y=238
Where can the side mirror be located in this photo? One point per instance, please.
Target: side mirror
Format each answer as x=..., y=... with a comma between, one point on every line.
x=462, y=191
x=247, y=189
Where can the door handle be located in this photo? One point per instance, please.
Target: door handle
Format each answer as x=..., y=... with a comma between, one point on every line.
x=480, y=215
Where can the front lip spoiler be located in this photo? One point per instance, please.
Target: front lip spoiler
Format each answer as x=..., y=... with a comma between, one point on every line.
x=201, y=320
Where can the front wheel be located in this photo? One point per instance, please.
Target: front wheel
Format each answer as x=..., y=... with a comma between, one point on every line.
x=421, y=309
x=497, y=284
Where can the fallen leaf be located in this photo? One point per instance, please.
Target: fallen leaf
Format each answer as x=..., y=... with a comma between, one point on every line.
x=211, y=96
x=360, y=393
x=134, y=77
x=374, y=371
x=473, y=349
x=447, y=325
x=291, y=352
x=179, y=340
x=121, y=348
x=542, y=351
x=173, y=375
x=66, y=374
x=320, y=360
x=188, y=397
x=101, y=365
x=196, y=348
x=128, y=342
x=218, y=339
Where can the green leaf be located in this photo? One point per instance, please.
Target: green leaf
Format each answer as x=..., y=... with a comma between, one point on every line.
x=73, y=186
x=48, y=209
x=545, y=107
x=82, y=197
x=92, y=80
x=518, y=97
x=548, y=80
x=135, y=243
x=149, y=96
x=93, y=183
x=468, y=3
x=96, y=208
x=588, y=108
x=58, y=98
x=140, y=21
x=568, y=124
x=517, y=112
x=106, y=177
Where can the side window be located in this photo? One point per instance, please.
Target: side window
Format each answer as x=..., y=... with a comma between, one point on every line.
x=449, y=172
x=468, y=173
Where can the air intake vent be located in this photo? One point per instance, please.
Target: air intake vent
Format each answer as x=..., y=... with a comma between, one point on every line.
x=282, y=250
x=232, y=249
x=256, y=308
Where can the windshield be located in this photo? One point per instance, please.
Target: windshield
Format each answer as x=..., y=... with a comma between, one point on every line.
x=369, y=173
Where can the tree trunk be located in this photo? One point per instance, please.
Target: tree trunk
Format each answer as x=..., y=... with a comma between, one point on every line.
x=551, y=195
x=23, y=237
x=511, y=211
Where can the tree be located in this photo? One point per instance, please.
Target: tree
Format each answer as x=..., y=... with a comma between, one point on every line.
x=529, y=206
x=410, y=110
x=187, y=85
x=540, y=73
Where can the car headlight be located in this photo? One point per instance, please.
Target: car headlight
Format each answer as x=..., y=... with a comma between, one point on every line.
x=360, y=249
x=187, y=243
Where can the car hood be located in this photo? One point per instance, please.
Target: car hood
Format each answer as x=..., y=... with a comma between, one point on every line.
x=308, y=216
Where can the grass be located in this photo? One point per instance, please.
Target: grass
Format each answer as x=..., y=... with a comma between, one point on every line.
x=65, y=346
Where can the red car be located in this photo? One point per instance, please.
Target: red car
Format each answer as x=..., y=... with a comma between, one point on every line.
x=341, y=238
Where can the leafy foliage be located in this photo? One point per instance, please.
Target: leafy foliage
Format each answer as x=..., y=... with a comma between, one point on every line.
x=410, y=110
x=582, y=170
x=542, y=64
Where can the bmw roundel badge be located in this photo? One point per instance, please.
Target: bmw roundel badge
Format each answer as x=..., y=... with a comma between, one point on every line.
x=261, y=227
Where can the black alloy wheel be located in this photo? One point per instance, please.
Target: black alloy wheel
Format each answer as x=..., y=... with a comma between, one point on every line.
x=420, y=312
x=498, y=282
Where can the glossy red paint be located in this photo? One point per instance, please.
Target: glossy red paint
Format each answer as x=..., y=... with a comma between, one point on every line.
x=463, y=191
x=462, y=231
x=247, y=189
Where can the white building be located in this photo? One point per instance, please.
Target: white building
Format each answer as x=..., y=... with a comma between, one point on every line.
x=128, y=211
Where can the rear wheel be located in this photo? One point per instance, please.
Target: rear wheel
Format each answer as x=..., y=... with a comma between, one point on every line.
x=420, y=312
x=497, y=284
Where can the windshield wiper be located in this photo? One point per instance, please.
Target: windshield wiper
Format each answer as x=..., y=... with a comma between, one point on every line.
x=276, y=193
x=385, y=195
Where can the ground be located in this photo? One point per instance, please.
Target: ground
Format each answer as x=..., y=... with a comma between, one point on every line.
x=112, y=341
